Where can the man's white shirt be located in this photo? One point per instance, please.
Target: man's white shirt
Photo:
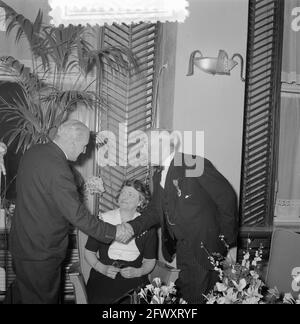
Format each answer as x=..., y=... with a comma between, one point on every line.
x=166, y=164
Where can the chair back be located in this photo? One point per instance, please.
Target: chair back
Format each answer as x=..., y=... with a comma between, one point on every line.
x=284, y=262
x=85, y=268
x=165, y=272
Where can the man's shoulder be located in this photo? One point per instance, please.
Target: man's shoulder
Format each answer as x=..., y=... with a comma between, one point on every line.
x=43, y=156
x=40, y=150
x=192, y=161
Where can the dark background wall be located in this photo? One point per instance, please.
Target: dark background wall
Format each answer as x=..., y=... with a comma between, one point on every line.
x=7, y=91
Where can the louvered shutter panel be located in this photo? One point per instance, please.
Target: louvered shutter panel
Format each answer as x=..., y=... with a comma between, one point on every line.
x=130, y=100
x=261, y=118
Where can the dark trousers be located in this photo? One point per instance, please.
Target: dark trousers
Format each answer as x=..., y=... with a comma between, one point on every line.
x=37, y=282
x=194, y=280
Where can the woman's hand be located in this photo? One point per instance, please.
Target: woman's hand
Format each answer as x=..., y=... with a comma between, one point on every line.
x=131, y=272
x=108, y=270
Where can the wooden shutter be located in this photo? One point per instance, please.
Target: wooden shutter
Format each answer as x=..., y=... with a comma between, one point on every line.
x=261, y=116
x=130, y=98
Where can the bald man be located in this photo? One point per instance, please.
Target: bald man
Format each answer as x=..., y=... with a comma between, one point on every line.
x=47, y=203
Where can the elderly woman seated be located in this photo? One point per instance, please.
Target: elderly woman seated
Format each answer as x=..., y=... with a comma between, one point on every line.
x=119, y=268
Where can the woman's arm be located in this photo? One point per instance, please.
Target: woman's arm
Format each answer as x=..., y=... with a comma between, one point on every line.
x=92, y=260
x=147, y=266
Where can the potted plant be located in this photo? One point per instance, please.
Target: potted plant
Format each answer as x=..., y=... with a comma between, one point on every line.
x=57, y=53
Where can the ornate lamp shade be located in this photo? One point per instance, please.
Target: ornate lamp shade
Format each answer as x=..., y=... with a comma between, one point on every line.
x=100, y=12
x=221, y=65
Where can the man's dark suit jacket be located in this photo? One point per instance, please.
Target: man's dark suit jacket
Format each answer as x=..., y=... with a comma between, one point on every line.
x=205, y=209
x=47, y=202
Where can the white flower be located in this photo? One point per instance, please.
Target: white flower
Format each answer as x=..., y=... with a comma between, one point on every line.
x=157, y=291
x=165, y=291
x=221, y=287
x=288, y=299
x=211, y=300
x=149, y=287
x=247, y=256
x=229, y=298
x=253, y=292
x=94, y=185
x=142, y=294
x=182, y=301
x=251, y=300
x=254, y=274
x=241, y=285
x=221, y=300
x=157, y=300
x=245, y=262
x=157, y=281
x=274, y=292
x=171, y=285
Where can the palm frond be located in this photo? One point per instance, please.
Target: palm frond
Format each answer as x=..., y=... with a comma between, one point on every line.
x=28, y=81
x=27, y=129
x=67, y=100
x=44, y=102
x=64, y=43
x=118, y=59
x=24, y=27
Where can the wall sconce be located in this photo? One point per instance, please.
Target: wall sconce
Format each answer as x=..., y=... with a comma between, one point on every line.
x=215, y=65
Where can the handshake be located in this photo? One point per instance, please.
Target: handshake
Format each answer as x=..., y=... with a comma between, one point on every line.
x=124, y=233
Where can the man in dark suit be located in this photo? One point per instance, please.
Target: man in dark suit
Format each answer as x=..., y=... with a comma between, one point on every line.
x=47, y=203
x=196, y=208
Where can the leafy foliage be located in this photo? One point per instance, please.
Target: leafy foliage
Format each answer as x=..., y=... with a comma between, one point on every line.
x=57, y=53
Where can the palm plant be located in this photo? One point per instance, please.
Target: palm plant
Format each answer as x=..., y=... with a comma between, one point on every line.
x=57, y=52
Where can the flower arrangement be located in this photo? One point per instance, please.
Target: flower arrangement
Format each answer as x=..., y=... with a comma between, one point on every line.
x=273, y=296
x=241, y=283
x=159, y=293
x=94, y=185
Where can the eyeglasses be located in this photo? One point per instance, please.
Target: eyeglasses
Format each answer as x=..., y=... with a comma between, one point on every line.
x=118, y=264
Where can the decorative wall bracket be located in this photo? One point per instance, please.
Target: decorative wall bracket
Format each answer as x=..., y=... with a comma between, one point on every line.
x=221, y=65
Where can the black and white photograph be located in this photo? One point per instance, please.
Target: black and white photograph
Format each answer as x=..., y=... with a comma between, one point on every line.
x=149, y=154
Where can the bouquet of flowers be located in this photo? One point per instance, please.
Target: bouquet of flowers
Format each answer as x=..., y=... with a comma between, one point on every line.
x=94, y=185
x=273, y=296
x=241, y=283
x=159, y=293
